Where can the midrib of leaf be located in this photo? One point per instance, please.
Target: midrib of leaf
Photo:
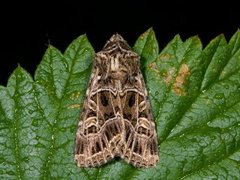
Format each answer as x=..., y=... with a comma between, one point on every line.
x=45, y=167
x=15, y=135
x=18, y=124
x=48, y=158
x=15, y=141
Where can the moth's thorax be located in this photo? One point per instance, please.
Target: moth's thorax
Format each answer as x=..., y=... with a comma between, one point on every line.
x=117, y=68
x=116, y=61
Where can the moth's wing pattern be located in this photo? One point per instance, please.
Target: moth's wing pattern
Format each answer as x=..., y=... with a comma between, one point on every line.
x=98, y=127
x=141, y=147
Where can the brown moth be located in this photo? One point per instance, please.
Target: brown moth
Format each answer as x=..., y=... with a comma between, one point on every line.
x=116, y=119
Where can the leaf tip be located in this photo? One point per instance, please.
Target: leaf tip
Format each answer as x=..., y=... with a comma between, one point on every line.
x=82, y=37
x=219, y=38
x=20, y=71
x=195, y=40
x=19, y=74
x=148, y=32
x=150, y=29
x=195, y=37
x=236, y=34
x=177, y=37
x=238, y=30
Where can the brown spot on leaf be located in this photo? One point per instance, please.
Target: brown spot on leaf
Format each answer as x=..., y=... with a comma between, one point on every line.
x=153, y=66
x=180, y=80
x=169, y=76
x=164, y=57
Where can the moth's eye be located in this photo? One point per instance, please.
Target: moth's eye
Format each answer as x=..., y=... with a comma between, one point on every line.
x=104, y=99
x=131, y=100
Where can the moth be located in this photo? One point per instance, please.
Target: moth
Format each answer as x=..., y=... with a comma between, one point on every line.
x=116, y=119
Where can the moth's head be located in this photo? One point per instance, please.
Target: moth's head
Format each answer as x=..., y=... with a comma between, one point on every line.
x=116, y=37
x=115, y=42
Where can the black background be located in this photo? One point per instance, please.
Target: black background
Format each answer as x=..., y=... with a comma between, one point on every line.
x=27, y=29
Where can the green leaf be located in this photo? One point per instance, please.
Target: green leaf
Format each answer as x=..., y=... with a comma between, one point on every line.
x=147, y=47
x=194, y=93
